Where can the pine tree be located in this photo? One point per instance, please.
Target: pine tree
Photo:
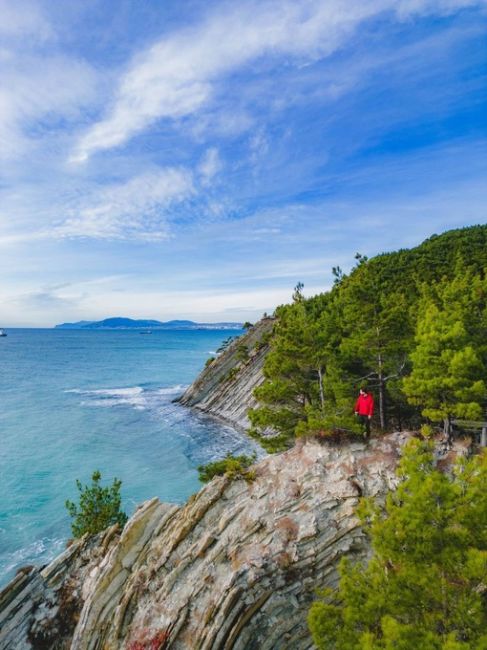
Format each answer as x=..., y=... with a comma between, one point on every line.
x=297, y=369
x=425, y=586
x=99, y=507
x=377, y=329
x=449, y=370
x=290, y=379
x=363, y=330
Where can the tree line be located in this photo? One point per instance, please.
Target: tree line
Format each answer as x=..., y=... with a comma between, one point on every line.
x=411, y=325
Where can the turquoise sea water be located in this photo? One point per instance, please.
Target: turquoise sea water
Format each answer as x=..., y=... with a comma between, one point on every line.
x=75, y=401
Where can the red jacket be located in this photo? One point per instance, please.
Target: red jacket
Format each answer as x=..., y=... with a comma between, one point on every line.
x=365, y=405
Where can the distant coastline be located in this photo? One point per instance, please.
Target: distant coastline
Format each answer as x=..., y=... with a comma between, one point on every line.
x=119, y=323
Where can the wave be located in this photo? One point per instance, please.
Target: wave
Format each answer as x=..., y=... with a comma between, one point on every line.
x=135, y=396
x=41, y=550
x=108, y=397
x=118, y=392
x=109, y=392
x=172, y=390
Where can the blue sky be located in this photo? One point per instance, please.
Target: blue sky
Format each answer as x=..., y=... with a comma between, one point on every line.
x=196, y=160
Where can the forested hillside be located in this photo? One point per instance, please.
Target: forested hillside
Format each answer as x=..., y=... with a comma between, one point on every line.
x=411, y=325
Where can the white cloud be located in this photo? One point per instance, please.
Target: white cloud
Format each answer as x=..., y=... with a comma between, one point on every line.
x=68, y=85
x=43, y=88
x=205, y=305
x=209, y=166
x=176, y=76
x=135, y=209
x=226, y=121
x=9, y=240
x=23, y=19
x=259, y=146
x=100, y=298
x=406, y=8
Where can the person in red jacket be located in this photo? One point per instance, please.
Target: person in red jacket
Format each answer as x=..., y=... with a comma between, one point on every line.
x=364, y=409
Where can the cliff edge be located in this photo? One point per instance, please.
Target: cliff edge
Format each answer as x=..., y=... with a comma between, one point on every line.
x=225, y=387
x=236, y=567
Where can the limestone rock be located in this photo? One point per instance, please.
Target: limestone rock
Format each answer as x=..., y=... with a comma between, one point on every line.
x=238, y=565
x=225, y=388
x=40, y=607
x=235, y=568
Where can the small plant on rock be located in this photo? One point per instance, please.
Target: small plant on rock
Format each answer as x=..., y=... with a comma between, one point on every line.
x=242, y=352
x=99, y=507
x=427, y=431
x=233, y=467
x=231, y=374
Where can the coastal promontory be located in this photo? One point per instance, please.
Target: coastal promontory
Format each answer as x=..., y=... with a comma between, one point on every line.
x=236, y=567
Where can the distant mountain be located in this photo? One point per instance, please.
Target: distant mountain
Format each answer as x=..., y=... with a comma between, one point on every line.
x=74, y=326
x=119, y=323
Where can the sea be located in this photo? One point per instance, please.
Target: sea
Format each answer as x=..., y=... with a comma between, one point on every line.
x=76, y=401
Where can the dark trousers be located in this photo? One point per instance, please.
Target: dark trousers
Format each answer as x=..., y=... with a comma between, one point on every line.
x=365, y=422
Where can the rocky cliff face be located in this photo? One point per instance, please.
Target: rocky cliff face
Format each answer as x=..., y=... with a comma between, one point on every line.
x=225, y=387
x=40, y=607
x=234, y=568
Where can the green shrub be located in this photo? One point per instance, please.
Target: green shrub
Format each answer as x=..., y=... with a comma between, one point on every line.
x=99, y=507
x=232, y=466
x=263, y=341
x=424, y=586
x=427, y=431
x=275, y=444
x=231, y=374
x=272, y=444
x=242, y=352
x=321, y=424
x=209, y=361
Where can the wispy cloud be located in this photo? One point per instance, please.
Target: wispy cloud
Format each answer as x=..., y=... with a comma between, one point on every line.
x=209, y=166
x=177, y=75
x=134, y=209
x=42, y=87
x=245, y=147
x=406, y=8
x=30, y=109
x=25, y=19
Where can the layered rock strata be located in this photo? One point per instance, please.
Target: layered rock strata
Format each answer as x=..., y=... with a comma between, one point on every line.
x=235, y=568
x=225, y=387
x=40, y=607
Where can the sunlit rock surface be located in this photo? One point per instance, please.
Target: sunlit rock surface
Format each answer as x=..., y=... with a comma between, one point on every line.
x=236, y=567
x=225, y=388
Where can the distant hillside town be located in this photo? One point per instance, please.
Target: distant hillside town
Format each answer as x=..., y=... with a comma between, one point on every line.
x=130, y=323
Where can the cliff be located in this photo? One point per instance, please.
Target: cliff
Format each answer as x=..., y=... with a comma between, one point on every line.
x=225, y=387
x=234, y=568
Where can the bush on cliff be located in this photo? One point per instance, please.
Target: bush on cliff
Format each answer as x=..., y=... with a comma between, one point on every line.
x=99, y=507
x=231, y=466
x=242, y=352
x=425, y=586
